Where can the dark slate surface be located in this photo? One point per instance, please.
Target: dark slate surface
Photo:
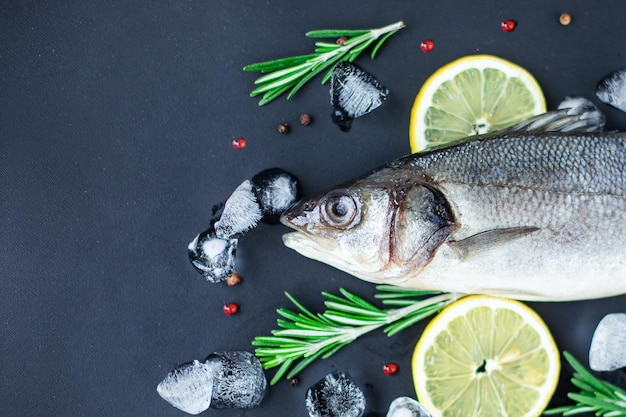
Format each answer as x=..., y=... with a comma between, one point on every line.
x=116, y=120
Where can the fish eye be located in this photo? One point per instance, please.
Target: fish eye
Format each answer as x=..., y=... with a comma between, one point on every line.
x=340, y=210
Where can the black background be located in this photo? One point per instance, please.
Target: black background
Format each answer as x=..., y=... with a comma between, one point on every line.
x=116, y=122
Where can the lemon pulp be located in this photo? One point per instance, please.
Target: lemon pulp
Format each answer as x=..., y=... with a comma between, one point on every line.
x=472, y=95
x=486, y=356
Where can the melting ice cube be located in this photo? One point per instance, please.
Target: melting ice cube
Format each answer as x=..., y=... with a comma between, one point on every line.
x=238, y=380
x=612, y=89
x=188, y=387
x=353, y=93
x=608, y=344
x=241, y=212
x=406, y=407
x=276, y=190
x=336, y=395
x=212, y=256
x=225, y=380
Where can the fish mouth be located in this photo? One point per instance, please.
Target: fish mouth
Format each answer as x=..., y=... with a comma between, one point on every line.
x=299, y=217
x=310, y=246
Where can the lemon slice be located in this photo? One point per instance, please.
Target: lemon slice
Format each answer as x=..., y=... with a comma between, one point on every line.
x=473, y=95
x=486, y=356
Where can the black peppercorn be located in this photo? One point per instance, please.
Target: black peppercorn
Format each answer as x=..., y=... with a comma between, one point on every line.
x=283, y=128
x=305, y=119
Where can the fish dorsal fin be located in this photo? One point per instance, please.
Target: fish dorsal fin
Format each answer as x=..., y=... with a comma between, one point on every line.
x=488, y=239
x=583, y=118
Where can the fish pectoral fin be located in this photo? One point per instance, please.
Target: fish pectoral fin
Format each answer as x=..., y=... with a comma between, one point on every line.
x=488, y=239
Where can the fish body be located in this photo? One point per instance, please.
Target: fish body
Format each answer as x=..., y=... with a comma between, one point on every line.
x=531, y=215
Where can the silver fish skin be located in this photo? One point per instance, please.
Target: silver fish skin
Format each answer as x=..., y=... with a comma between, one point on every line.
x=536, y=216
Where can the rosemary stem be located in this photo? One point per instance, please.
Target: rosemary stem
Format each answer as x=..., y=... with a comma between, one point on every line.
x=395, y=315
x=350, y=334
x=376, y=33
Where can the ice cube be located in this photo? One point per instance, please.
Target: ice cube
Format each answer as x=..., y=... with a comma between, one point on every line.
x=212, y=256
x=238, y=380
x=353, y=93
x=188, y=387
x=336, y=395
x=241, y=212
x=406, y=407
x=608, y=344
x=612, y=89
x=276, y=190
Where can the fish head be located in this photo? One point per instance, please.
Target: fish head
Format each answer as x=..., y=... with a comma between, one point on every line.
x=381, y=228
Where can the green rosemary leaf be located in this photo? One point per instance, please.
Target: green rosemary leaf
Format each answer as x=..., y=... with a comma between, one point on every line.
x=303, y=363
x=281, y=371
x=403, y=324
x=288, y=314
x=301, y=318
x=333, y=297
x=386, y=289
x=327, y=76
x=402, y=302
x=620, y=394
x=284, y=324
x=278, y=64
x=274, y=341
x=334, y=33
x=328, y=45
x=580, y=384
x=333, y=305
x=380, y=43
x=306, y=333
x=568, y=410
x=312, y=326
x=598, y=403
x=281, y=73
x=583, y=373
x=324, y=50
x=280, y=82
x=271, y=95
x=300, y=306
x=359, y=301
x=269, y=362
x=347, y=320
x=294, y=351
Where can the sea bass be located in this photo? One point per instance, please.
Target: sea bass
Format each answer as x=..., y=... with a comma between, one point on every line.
x=525, y=213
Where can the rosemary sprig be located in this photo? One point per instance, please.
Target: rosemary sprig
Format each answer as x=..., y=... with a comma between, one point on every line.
x=303, y=336
x=595, y=396
x=290, y=74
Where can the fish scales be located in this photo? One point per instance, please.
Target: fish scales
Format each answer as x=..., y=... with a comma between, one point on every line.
x=528, y=215
x=589, y=164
